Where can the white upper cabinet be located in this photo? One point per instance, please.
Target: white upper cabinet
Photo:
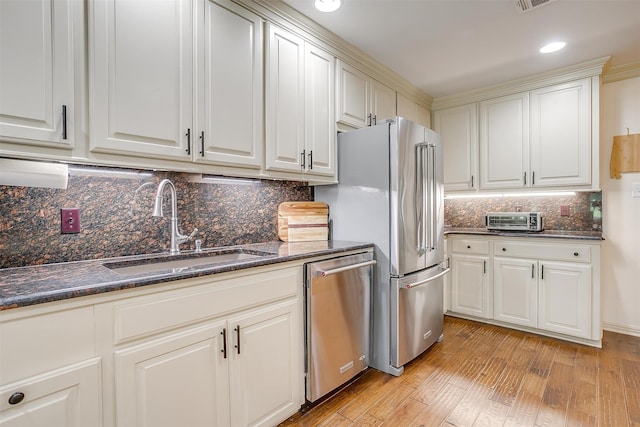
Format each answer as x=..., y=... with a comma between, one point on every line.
x=320, y=123
x=458, y=127
x=383, y=102
x=300, y=119
x=141, y=78
x=504, y=142
x=285, y=100
x=561, y=135
x=361, y=100
x=410, y=110
x=230, y=121
x=37, y=72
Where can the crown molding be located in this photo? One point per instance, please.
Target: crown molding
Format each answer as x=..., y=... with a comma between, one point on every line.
x=561, y=75
x=282, y=14
x=621, y=72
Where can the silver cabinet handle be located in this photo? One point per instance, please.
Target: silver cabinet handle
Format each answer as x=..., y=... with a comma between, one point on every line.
x=422, y=282
x=237, y=329
x=310, y=159
x=224, y=342
x=533, y=178
x=188, y=134
x=303, y=159
x=484, y=267
x=525, y=178
x=533, y=271
x=471, y=181
x=325, y=273
x=202, y=143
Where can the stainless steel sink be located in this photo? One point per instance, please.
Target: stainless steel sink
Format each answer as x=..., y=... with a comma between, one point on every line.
x=185, y=262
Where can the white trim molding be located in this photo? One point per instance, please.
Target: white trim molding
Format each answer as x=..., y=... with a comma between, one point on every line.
x=621, y=72
x=621, y=329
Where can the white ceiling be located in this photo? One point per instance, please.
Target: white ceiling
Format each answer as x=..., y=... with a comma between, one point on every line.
x=446, y=47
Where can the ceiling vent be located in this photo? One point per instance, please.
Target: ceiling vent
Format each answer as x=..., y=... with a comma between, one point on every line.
x=528, y=5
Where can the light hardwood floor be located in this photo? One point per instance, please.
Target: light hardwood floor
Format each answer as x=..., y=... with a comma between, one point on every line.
x=483, y=375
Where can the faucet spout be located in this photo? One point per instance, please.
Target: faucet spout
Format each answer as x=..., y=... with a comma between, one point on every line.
x=176, y=237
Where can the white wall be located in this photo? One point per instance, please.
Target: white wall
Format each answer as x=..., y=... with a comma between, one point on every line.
x=620, y=109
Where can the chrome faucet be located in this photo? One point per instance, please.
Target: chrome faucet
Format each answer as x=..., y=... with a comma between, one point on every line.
x=176, y=237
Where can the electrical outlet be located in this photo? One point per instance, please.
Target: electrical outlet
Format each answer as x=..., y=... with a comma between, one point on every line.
x=564, y=210
x=635, y=189
x=69, y=220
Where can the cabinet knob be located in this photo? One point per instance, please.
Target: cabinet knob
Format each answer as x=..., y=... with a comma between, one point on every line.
x=468, y=246
x=504, y=249
x=576, y=254
x=16, y=398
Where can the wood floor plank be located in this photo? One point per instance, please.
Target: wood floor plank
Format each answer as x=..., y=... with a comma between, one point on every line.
x=440, y=407
x=467, y=411
x=472, y=380
x=406, y=412
x=630, y=370
x=524, y=411
x=492, y=414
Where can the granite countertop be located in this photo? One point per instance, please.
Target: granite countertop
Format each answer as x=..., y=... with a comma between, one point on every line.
x=24, y=286
x=552, y=234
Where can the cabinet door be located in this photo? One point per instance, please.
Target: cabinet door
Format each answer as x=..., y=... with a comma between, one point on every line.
x=565, y=298
x=470, y=291
x=179, y=380
x=320, y=123
x=561, y=135
x=69, y=396
x=285, y=101
x=37, y=72
x=504, y=142
x=353, y=91
x=458, y=128
x=383, y=102
x=232, y=108
x=410, y=110
x=141, y=78
x=515, y=291
x=265, y=369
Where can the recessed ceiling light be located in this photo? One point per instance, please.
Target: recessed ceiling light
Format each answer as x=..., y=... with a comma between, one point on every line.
x=327, y=5
x=552, y=47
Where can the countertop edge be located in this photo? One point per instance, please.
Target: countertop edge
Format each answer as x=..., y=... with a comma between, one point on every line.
x=28, y=286
x=547, y=234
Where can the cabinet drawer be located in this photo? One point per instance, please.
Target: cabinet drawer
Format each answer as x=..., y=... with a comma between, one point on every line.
x=480, y=247
x=40, y=343
x=559, y=252
x=148, y=315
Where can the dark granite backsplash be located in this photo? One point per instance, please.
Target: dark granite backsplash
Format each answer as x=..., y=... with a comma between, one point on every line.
x=585, y=210
x=115, y=214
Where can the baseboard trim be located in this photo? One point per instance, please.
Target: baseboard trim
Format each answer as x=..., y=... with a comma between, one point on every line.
x=621, y=329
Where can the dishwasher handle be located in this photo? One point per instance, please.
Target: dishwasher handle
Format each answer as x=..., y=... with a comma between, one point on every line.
x=325, y=273
x=422, y=282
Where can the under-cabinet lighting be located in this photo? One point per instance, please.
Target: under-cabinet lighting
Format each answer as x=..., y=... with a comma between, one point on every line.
x=486, y=196
x=212, y=179
x=108, y=173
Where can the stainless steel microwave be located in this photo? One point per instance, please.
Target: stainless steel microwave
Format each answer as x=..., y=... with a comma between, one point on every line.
x=514, y=221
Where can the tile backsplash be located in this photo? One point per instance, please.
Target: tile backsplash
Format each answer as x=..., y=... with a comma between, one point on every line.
x=585, y=210
x=115, y=214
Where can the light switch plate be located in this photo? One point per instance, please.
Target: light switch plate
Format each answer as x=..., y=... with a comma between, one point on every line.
x=635, y=189
x=69, y=220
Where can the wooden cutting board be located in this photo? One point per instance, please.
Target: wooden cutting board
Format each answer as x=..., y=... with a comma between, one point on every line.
x=303, y=221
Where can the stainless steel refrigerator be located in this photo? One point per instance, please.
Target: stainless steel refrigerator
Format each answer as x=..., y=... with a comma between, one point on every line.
x=390, y=193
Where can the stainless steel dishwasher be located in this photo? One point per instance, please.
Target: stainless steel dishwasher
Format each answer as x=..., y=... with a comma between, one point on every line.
x=338, y=293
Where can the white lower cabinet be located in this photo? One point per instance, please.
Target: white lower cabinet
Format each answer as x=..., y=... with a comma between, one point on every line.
x=565, y=298
x=214, y=353
x=515, y=291
x=470, y=278
x=69, y=396
x=50, y=374
x=546, y=287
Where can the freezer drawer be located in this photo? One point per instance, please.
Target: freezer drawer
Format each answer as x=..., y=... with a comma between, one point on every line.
x=418, y=301
x=337, y=293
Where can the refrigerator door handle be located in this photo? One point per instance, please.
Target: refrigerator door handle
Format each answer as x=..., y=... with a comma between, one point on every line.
x=433, y=218
x=422, y=282
x=419, y=201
